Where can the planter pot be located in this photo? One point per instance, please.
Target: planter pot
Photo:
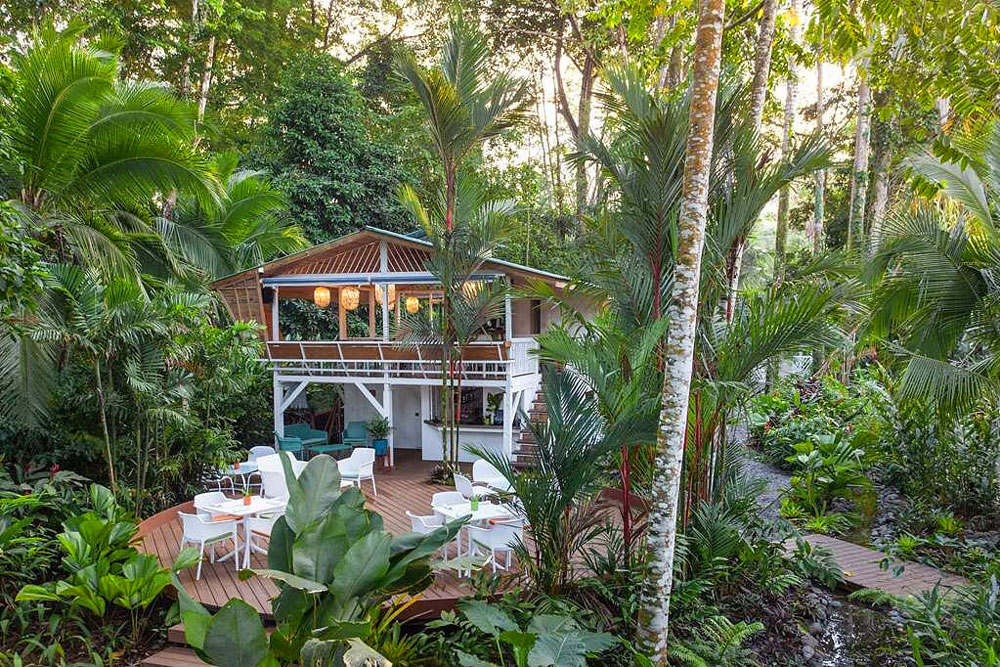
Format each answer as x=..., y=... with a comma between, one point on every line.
x=247, y=500
x=381, y=446
x=474, y=503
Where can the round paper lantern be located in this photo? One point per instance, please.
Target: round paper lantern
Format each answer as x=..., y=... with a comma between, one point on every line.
x=412, y=304
x=392, y=296
x=350, y=297
x=321, y=296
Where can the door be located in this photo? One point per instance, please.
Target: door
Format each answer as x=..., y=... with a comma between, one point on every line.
x=406, y=417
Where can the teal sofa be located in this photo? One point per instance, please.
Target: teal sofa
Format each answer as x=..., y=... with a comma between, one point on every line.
x=356, y=434
x=308, y=435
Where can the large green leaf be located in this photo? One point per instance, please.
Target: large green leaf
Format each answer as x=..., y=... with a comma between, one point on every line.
x=558, y=650
x=279, y=548
x=313, y=493
x=300, y=583
x=318, y=550
x=487, y=618
x=235, y=636
x=364, y=564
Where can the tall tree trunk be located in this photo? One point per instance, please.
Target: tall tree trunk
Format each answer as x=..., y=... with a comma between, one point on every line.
x=762, y=61
x=820, y=192
x=758, y=95
x=206, y=78
x=791, y=90
x=859, y=177
x=102, y=409
x=583, y=127
x=186, y=69
x=683, y=312
x=882, y=158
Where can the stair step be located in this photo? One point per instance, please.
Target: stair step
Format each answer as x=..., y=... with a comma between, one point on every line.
x=175, y=634
x=174, y=656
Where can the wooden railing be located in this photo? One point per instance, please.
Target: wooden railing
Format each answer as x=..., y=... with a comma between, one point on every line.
x=378, y=359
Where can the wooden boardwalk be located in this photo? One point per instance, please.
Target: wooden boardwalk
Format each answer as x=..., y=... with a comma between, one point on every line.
x=405, y=488
x=861, y=569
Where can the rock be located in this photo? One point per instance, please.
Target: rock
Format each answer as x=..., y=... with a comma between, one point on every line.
x=815, y=629
x=808, y=652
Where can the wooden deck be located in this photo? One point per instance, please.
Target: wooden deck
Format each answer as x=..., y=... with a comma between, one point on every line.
x=861, y=569
x=405, y=488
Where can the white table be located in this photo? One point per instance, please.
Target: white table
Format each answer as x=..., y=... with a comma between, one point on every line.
x=486, y=512
x=246, y=469
x=258, y=505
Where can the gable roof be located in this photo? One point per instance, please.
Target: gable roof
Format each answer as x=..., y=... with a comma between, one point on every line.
x=286, y=263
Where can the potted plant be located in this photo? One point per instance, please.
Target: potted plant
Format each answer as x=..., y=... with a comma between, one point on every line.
x=247, y=496
x=474, y=503
x=493, y=402
x=378, y=429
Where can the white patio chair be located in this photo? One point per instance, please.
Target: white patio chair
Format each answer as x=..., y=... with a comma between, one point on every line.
x=271, y=463
x=273, y=484
x=203, y=532
x=465, y=486
x=260, y=528
x=255, y=453
x=359, y=466
x=486, y=474
x=259, y=451
x=426, y=524
x=204, y=500
x=446, y=498
x=496, y=539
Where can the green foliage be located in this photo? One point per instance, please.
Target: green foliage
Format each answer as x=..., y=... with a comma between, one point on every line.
x=334, y=565
x=546, y=640
x=22, y=274
x=323, y=149
x=718, y=641
x=825, y=468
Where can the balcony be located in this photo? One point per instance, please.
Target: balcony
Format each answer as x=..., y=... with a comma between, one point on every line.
x=395, y=363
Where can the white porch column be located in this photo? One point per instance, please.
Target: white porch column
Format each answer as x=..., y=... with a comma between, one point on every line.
x=508, y=422
x=274, y=314
x=508, y=319
x=279, y=413
x=387, y=404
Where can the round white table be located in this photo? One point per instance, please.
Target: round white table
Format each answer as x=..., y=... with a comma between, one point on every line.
x=246, y=469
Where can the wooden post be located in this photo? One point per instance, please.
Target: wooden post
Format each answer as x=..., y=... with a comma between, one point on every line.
x=275, y=331
x=508, y=311
x=371, y=312
x=387, y=404
x=508, y=422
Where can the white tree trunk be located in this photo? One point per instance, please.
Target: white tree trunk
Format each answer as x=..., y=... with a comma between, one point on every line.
x=791, y=91
x=859, y=177
x=820, y=194
x=762, y=61
x=186, y=70
x=206, y=79
x=683, y=314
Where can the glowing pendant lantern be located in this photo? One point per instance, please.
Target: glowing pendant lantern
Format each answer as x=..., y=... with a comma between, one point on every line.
x=392, y=296
x=412, y=304
x=350, y=297
x=321, y=296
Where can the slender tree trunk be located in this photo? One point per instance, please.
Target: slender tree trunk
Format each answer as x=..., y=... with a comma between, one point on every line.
x=683, y=312
x=859, y=177
x=762, y=61
x=186, y=69
x=880, y=181
x=102, y=408
x=583, y=127
x=758, y=95
x=820, y=192
x=791, y=90
x=206, y=79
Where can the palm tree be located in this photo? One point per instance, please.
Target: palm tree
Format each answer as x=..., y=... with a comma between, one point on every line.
x=245, y=228
x=466, y=104
x=936, y=276
x=455, y=259
x=90, y=152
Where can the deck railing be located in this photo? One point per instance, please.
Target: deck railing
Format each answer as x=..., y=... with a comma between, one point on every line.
x=495, y=361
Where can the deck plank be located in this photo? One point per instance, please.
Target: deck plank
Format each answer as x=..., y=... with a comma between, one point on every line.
x=861, y=567
x=406, y=487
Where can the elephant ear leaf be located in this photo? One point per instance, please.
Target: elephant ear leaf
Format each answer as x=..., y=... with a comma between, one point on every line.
x=469, y=660
x=235, y=636
x=558, y=650
x=360, y=654
x=489, y=619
